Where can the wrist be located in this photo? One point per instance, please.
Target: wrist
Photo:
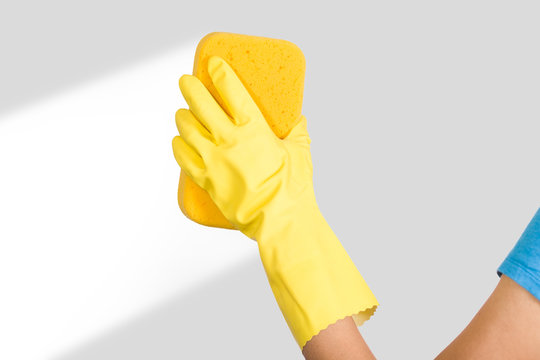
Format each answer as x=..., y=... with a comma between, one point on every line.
x=283, y=215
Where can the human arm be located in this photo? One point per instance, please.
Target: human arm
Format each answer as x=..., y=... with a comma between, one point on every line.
x=506, y=327
x=341, y=340
x=508, y=324
x=263, y=186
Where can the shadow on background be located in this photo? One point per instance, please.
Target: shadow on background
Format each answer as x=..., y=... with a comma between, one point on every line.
x=231, y=316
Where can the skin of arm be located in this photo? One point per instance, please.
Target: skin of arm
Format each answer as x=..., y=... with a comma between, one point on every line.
x=506, y=327
x=341, y=340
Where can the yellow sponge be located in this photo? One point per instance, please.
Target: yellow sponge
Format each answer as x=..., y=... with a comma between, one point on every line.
x=273, y=72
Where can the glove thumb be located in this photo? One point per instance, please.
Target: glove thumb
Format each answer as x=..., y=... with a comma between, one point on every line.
x=299, y=133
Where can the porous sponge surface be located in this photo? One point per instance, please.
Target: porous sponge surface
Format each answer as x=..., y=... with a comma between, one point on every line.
x=273, y=71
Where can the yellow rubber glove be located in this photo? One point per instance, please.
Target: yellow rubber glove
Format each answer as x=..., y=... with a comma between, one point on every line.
x=263, y=185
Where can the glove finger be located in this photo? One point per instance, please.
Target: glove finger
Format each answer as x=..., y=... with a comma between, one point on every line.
x=194, y=134
x=299, y=133
x=205, y=107
x=236, y=97
x=189, y=160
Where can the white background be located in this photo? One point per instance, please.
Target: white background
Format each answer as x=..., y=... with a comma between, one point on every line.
x=424, y=121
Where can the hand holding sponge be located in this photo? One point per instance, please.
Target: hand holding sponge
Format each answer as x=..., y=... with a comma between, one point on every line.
x=273, y=71
x=263, y=186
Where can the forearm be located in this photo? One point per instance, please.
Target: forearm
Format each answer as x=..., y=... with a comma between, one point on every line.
x=313, y=279
x=341, y=340
x=506, y=327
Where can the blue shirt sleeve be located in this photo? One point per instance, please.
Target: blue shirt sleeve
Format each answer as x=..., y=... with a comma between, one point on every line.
x=523, y=262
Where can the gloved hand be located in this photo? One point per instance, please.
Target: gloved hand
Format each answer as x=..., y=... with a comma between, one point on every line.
x=263, y=186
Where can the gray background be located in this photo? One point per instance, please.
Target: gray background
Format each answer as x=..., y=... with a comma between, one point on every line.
x=424, y=119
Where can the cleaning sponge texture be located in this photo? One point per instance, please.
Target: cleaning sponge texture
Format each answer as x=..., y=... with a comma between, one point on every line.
x=273, y=71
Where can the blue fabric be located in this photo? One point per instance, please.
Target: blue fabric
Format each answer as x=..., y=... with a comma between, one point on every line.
x=523, y=263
